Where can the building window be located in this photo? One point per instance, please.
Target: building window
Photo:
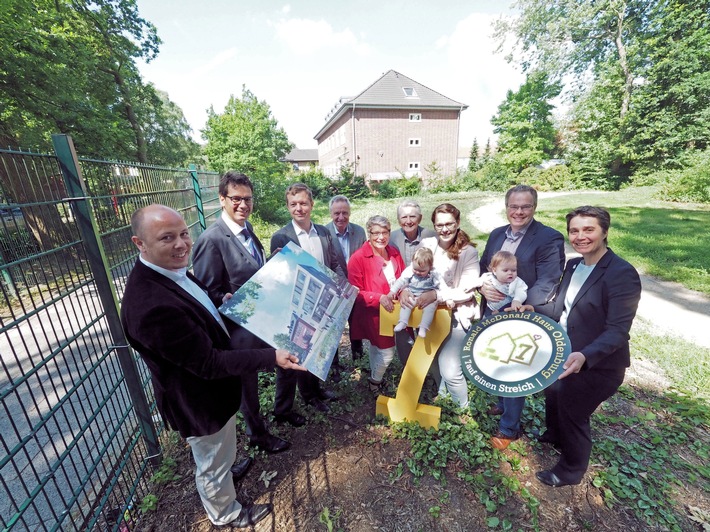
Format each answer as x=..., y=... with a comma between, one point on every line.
x=415, y=142
x=409, y=92
x=415, y=117
x=414, y=166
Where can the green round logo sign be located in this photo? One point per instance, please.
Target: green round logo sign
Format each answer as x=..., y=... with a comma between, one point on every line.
x=513, y=354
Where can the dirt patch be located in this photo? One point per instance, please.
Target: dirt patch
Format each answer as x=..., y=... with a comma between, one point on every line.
x=350, y=471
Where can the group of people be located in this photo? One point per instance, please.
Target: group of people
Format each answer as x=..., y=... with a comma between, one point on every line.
x=204, y=368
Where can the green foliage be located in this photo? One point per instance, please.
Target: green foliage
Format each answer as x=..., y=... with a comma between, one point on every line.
x=555, y=178
x=324, y=188
x=493, y=176
x=641, y=472
x=149, y=503
x=474, y=162
x=396, y=188
x=166, y=472
x=524, y=123
x=671, y=108
x=691, y=183
x=327, y=520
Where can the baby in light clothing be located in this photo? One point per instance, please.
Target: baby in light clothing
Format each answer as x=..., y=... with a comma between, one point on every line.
x=503, y=275
x=418, y=277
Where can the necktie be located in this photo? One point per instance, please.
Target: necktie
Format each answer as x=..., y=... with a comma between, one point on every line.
x=251, y=246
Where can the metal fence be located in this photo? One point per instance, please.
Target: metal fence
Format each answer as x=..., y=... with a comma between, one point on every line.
x=79, y=430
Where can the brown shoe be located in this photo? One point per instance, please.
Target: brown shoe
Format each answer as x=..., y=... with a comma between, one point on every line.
x=500, y=441
x=495, y=410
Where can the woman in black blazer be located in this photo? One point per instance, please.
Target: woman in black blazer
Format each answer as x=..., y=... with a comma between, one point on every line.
x=596, y=303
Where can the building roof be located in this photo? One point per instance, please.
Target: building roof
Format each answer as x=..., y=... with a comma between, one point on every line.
x=301, y=156
x=394, y=91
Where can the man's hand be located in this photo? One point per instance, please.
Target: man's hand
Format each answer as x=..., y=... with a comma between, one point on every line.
x=573, y=364
x=427, y=298
x=490, y=293
x=226, y=297
x=286, y=360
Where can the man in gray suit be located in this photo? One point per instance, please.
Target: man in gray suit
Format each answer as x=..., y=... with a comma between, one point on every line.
x=350, y=238
x=317, y=241
x=225, y=256
x=408, y=238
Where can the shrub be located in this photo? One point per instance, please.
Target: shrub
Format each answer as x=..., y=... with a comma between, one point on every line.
x=395, y=188
x=493, y=176
x=690, y=183
x=555, y=178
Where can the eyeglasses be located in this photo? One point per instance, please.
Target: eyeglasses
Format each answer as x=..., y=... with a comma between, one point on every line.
x=379, y=234
x=527, y=207
x=441, y=227
x=236, y=200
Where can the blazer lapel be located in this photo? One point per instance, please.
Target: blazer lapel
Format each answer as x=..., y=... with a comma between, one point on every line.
x=593, y=278
x=527, y=239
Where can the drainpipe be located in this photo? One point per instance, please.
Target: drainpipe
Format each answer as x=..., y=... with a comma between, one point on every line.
x=352, y=126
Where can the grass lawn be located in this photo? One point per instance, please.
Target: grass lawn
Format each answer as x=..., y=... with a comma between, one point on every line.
x=667, y=240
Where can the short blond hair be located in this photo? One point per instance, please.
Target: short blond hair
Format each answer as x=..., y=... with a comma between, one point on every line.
x=423, y=257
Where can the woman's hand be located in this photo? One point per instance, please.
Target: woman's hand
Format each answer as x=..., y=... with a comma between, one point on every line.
x=406, y=299
x=490, y=293
x=573, y=364
x=427, y=298
x=386, y=302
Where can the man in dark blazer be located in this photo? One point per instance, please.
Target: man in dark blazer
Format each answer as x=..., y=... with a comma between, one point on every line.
x=540, y=252
x=349, y=238
x=226, y=255
x=170, y=320
x=316, y=240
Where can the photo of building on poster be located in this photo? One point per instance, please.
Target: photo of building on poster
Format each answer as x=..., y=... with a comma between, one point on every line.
x=295, y=303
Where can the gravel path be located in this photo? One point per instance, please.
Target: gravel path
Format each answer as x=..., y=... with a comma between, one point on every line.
x=671, y=308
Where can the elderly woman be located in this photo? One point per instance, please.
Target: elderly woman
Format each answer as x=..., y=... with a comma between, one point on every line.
x=456, y=260
x=596, y=303
x=373, y=269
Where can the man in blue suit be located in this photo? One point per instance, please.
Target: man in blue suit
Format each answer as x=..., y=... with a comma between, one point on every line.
x=226, y=256
x=541, y=258
x=317, y=241
x=350, y=238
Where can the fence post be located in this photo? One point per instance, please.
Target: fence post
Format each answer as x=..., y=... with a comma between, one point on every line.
x=81, y=207
x=198, y=196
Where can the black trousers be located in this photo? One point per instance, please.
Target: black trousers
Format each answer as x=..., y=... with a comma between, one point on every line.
x=286, y=381
x=569, y=404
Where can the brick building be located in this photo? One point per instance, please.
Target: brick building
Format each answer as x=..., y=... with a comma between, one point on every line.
x=395, y=127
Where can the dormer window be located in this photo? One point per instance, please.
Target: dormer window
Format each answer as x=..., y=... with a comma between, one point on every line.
x=409, y=92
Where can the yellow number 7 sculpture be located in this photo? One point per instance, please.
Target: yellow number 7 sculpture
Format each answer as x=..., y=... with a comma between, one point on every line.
x=405, y=405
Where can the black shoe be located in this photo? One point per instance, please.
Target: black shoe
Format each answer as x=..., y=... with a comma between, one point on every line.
x=549, y=478
x=251, y=515
x=271, y=444
x=292, y=418
x=327, y=395
x=319, y=405
x=240, y=469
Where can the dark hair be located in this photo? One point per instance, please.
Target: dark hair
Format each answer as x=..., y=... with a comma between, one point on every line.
x=233, y=178
x=521, y=188
x=297, y=188
x=462, y=238
x=600, y=213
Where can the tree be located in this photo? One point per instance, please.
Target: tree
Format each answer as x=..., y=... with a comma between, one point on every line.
x=524, y=123
x=670, y=111
x=563, y=36
x=473, y=157
x=487, y=153
x=246, y=138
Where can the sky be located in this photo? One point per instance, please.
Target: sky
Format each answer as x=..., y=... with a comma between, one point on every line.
x=301, y=57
